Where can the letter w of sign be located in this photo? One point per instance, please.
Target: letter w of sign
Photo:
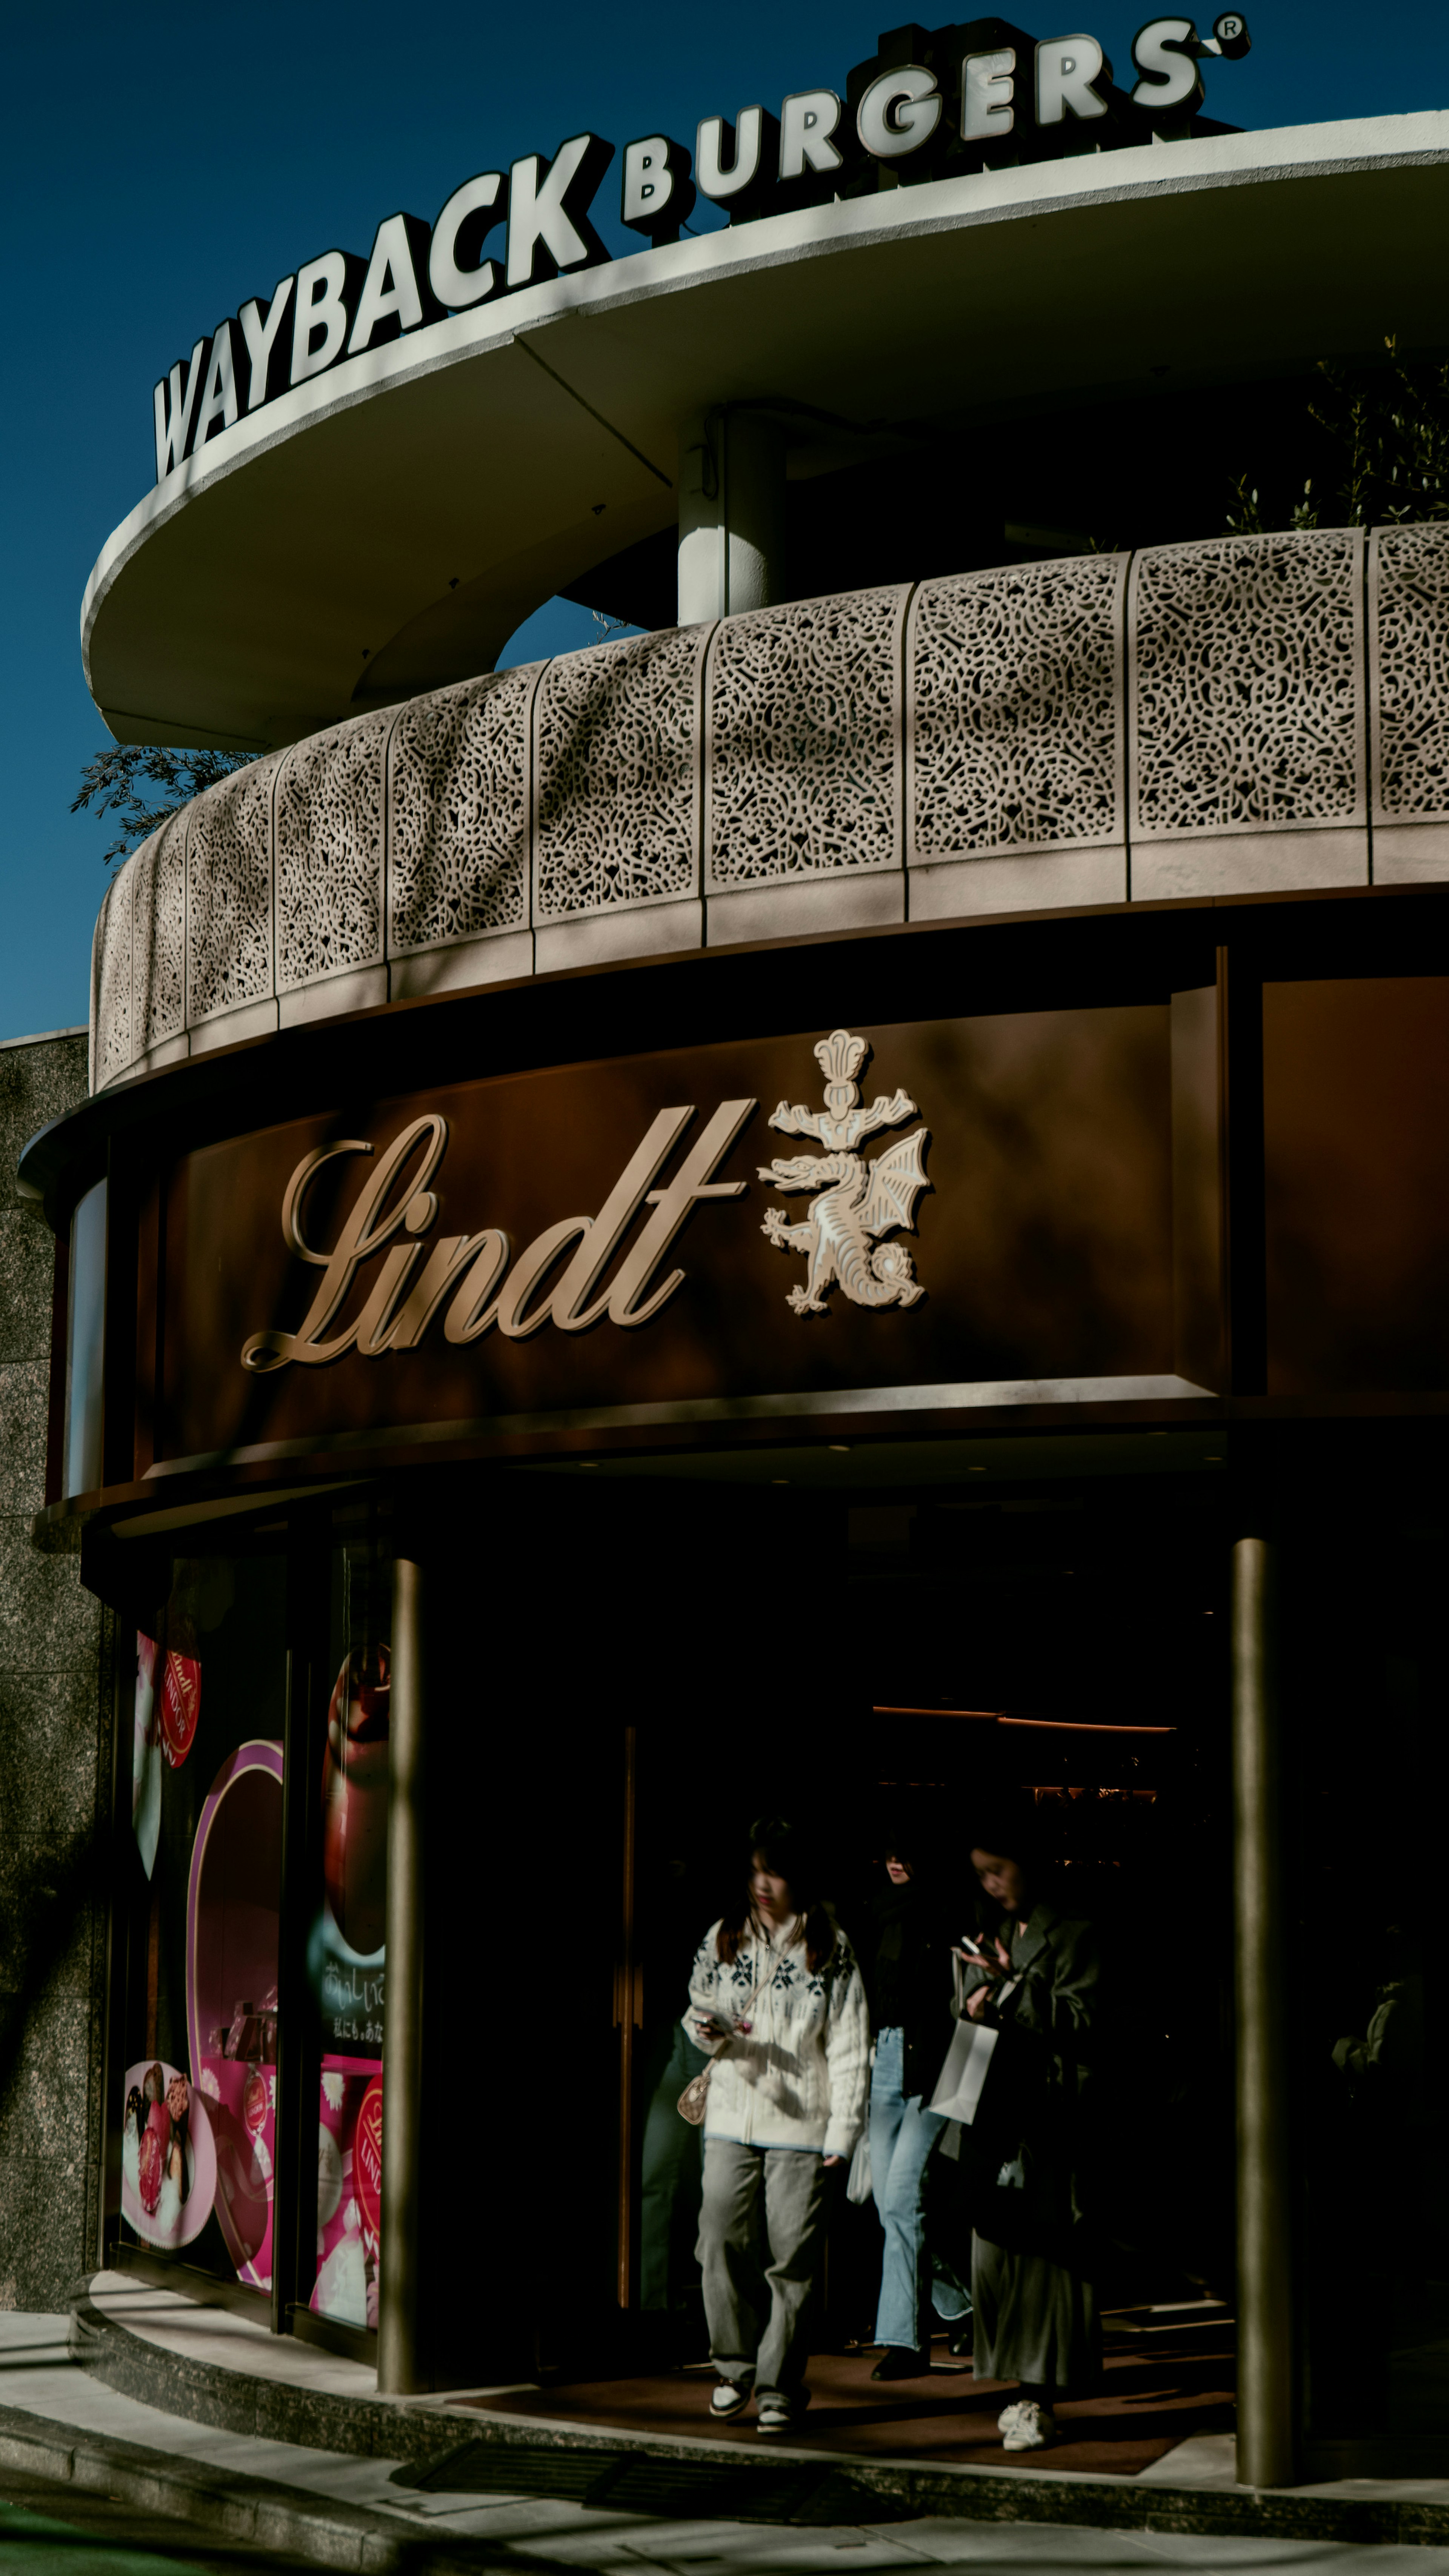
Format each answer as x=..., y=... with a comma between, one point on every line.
x=176, y=409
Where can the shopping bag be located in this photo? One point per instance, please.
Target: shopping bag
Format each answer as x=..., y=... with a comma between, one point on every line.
x=962, y=2079
x=857, y=2181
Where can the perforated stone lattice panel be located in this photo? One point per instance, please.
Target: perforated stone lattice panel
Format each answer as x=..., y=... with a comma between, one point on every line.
x=1246, y=685
x=111, y=1049
x=617, y=794
x=802, y=759
x=1014, y=731
x=229, y=892
x=458, y=812
x=330, y=812
x=158, y=935
x=1408, y=587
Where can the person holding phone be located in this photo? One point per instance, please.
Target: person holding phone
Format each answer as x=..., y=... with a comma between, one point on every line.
x=1035, y=1977
x=776, y=1991
x=910, y=1995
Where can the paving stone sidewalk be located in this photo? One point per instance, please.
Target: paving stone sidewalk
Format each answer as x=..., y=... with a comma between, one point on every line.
x=343, y=2511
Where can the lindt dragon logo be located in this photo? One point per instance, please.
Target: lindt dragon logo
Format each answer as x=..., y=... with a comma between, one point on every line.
x=857, y=1200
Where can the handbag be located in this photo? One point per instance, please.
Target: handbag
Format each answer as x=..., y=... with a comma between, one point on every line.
x=694, y=2100
x=858, y=2182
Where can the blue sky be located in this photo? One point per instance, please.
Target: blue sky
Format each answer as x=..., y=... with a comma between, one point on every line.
x=161, y=166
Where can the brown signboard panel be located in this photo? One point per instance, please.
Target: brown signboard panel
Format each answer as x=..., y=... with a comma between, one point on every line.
x=1356, y=1154
x=1042, y=1244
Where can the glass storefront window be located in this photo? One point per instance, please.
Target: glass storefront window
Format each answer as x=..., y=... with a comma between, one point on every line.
x=204, y=1863
x=347, y=1955
x=85, y=1343
x=216, y=2170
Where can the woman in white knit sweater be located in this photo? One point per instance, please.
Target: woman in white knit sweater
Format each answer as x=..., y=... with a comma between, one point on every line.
x=776, y=1987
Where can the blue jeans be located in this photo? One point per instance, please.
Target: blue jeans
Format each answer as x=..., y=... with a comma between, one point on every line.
x=902, y=2134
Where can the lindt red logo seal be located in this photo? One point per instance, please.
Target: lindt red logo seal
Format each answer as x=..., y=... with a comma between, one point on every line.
x=367, y=2160
x=180, y=1707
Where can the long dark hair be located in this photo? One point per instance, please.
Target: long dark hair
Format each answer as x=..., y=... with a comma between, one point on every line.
x=784, y=1853
x=1006, y=1825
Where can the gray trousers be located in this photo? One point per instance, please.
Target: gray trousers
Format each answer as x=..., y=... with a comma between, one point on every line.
x=761, y=2238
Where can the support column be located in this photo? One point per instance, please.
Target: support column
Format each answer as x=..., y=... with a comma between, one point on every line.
x=731, y=514
x=399, y=2285
x=1265, y=2277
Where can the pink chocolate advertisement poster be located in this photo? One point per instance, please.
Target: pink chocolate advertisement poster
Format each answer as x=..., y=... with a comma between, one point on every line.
x=349, y=2184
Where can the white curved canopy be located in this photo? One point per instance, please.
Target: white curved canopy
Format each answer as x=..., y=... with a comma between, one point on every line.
x=394, y=519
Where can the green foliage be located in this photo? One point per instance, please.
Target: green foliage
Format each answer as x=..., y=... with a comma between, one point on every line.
x=1388, y=428
x=119, y=782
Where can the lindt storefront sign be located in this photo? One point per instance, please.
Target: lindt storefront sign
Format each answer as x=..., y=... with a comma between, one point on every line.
x=965, y=99
x=559, y=1278
x=646, y=1240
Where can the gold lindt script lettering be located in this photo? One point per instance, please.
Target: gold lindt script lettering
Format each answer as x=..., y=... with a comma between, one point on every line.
x=558, y=1278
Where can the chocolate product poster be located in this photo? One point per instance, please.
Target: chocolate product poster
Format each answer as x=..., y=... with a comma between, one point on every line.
x=167, y=1713
x=146, y=1757
x=232, y=1917
x=349, y=2175
x=179, y=1706
x=348, y=1945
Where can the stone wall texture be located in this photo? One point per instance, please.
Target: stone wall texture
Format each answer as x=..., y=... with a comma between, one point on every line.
x=1234, y=716
x=54, y=1765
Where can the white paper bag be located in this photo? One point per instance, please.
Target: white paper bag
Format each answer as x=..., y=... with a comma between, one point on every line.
x=963, y=2077
x=858, y=2180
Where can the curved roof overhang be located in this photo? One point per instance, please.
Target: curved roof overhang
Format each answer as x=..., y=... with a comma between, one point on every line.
x=336, y=548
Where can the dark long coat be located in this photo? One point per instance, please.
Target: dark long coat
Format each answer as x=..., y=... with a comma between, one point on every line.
x=1026, y=2163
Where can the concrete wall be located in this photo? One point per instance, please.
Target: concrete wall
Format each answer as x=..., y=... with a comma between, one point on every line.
x=54, y=1763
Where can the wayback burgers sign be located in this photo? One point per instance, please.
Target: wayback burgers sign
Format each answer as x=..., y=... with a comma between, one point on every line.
x=927, y=106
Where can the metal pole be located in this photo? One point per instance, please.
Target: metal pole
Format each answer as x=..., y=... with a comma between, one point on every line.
x=628, y=2018
x=399, y=2279
x=1265, y=2282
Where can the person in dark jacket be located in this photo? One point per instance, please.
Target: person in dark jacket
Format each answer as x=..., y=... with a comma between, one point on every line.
x=1036, y=1985
x=910, y=1986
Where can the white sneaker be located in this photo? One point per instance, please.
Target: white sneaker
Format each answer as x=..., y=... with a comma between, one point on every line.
x=1027, y=2427
x=1008, y=2415
x=731, y=2397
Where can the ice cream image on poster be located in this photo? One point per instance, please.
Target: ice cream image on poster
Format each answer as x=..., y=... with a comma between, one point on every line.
x=232, y=1919
x=168, y=2157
